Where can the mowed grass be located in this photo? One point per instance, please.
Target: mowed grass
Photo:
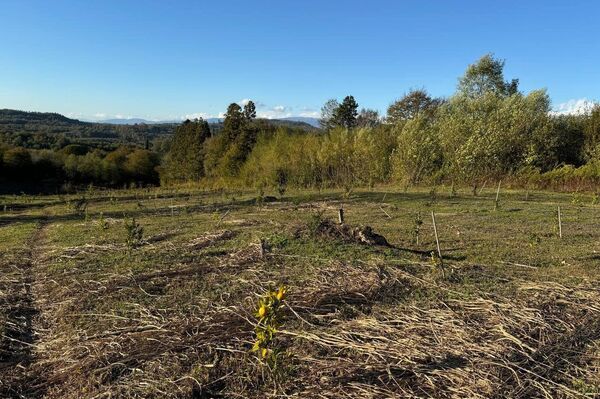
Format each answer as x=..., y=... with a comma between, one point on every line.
x=515, y=311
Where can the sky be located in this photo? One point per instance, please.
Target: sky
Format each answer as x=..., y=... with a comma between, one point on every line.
x=163, y=60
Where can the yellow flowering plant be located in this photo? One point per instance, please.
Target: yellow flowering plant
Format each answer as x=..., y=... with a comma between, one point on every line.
x=268, y=315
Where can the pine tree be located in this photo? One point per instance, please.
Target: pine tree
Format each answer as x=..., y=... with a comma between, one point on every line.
x=250, y=110
x=345, y=115
x=185, y=160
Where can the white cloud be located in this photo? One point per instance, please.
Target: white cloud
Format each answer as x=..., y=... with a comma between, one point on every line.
x=310, y=114
x=197, y=115
x=257, y=104
x=263, y=111
x=573, y=107
x=276, y=112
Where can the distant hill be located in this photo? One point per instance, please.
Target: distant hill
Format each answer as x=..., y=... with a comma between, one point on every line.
x=127, y=121
x=16, y=117
x=311, y=121
x=46, y=129
x=132, y=121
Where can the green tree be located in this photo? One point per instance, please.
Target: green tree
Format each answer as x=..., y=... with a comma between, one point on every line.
x=411, y=105
x=327, y=111
x=346, y=113
x=233, y=122
x=591, y=132
x=490, y=136
x=141, y=166
x=368, y=118
x=226, y=153
x=486, y=76
x=249, y=110
x=185, y=159
x=114, y=166
x=17, y=163
x=418, y=154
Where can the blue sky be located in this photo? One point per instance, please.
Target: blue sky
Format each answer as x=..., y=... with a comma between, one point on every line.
x=172, y=59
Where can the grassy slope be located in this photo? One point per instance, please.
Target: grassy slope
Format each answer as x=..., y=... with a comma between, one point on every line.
x=516, y=315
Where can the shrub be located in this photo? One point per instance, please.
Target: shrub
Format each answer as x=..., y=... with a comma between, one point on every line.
x=135, y=233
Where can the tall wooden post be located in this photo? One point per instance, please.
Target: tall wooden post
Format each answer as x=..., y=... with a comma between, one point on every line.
x=497, y=195
x=559, y=224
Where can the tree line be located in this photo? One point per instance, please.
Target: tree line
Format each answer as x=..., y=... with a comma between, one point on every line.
x=487, y=130
x=75, y=165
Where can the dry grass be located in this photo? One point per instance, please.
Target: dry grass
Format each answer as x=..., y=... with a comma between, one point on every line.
x=174, y=318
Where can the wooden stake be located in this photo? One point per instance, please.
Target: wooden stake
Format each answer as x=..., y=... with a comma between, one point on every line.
x=341, y=216
x=497, y=195
x=559, y=224
x=386, y=214
x=482, y=187
x=437, y=240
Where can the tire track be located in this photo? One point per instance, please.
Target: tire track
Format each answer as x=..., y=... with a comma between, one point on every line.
x=18, y=322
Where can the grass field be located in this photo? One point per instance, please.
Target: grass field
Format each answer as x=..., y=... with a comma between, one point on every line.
x=511, y=310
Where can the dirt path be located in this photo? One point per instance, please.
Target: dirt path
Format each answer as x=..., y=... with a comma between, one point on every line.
x=21, y=316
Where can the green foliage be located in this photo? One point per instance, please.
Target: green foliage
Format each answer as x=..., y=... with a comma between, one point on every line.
x=134, y=233
x=315, y=222
x=17, y=162
x=102, y=222
x=346, y=113
x=281, y=179
x=227, y=152
x=414, y=104
x=80, y=205
x=368, y=118
x=490, y=136
x=486, y=76
x=185, y=159
x=327, y=112
x=487, y=130
x=419, y=152
x=591, y=131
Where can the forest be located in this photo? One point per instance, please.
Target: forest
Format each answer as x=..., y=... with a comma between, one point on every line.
x=488, y=130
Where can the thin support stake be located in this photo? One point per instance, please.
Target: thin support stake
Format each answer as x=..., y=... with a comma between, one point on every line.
x=437, y=242
x=341, y=216
x=497, y=195
x=559, y=224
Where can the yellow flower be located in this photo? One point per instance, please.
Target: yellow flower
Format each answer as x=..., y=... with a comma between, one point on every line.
x=281, y=293
x=264, y=352
x=262, y=311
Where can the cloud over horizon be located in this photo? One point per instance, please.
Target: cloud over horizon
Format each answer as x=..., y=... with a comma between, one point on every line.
x=263, y=110
x=579, y=106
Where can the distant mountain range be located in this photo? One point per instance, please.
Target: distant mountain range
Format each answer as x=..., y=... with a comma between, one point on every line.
x=306, y=119
x=15, y=123
x=133, y=121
